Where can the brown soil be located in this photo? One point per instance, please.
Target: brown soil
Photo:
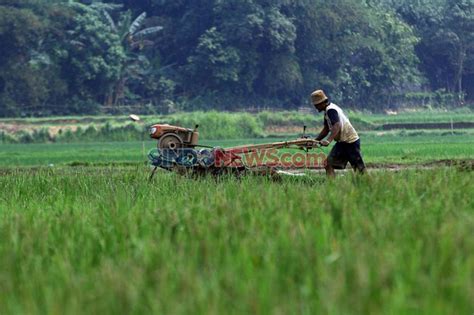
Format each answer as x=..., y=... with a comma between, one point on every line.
x=12, y=128
x=461, y=164
x=54, y=130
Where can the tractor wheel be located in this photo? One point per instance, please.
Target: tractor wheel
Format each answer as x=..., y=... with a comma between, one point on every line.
x=170, y=145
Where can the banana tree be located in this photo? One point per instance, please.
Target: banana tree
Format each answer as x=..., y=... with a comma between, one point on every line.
x=134, y=39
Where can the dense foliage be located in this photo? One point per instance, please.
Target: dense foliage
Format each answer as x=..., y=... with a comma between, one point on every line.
x=71, y=57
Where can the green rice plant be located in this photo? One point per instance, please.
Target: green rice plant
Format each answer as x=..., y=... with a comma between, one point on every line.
x=105, y=240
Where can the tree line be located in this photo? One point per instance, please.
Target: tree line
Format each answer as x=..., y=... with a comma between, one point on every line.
x=62, y=57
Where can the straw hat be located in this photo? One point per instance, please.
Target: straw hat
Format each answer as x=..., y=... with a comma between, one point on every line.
x=318, y=96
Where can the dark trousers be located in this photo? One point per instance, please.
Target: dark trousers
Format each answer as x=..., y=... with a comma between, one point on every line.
x=344, y=152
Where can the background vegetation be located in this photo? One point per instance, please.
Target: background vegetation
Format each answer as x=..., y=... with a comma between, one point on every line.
x=63, y=57
x=223, y=126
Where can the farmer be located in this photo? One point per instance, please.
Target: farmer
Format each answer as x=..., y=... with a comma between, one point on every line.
x=336, y=123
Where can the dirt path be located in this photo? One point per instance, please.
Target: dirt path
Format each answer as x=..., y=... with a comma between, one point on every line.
x=95, y=170
x=464, y=165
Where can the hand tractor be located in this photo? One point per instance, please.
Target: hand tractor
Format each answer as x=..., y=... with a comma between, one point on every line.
x=178, y=150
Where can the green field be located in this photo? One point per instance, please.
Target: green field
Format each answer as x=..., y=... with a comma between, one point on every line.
x=83, y=231
x=387, y=148
x=105, y=241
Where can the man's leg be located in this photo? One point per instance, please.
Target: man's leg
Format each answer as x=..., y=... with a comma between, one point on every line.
x=360, y=168
x=330, y=170
x=355, y=158
x=337, y=159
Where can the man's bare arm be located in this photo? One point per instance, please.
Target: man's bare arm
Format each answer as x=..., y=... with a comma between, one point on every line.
x=323, y=133
x=335, y=130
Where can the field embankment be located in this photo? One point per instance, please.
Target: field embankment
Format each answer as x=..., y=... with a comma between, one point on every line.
x=217, y=126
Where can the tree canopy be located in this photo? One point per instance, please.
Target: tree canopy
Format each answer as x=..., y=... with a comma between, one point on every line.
x=77, y=57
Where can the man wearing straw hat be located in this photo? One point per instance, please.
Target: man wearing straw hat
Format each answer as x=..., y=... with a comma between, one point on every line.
x=339, y=129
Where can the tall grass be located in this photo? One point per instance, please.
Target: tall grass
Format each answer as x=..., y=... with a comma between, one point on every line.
x=213, y=125
x=107, y=241
x=216, y=125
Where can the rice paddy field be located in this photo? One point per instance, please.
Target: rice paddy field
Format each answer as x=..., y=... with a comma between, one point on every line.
x=378, y=148
x=83, y=231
